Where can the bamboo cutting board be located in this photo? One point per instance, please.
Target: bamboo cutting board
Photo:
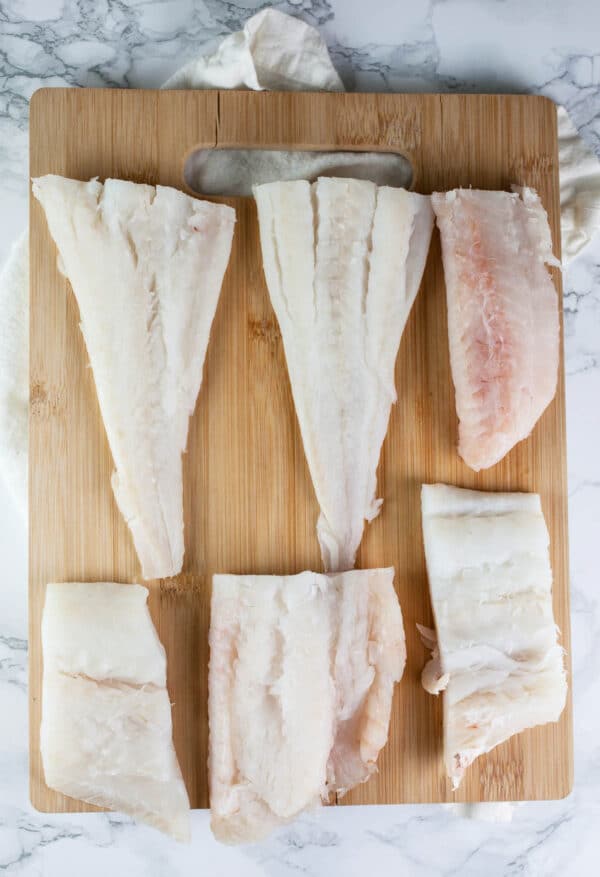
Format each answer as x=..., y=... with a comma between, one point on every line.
x=249, y=502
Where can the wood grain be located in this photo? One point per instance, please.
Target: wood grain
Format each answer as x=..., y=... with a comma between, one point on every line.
x=249, y=502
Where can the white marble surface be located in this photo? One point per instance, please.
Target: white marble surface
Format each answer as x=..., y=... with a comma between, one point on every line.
x=547, y=46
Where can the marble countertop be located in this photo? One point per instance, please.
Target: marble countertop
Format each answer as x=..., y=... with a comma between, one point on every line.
x=544, y=46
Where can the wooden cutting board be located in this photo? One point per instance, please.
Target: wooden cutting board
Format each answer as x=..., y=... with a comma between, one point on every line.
x=249, y=503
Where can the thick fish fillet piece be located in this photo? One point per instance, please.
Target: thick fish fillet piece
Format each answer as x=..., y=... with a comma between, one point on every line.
x=491, y=589
x=503, y=322
x=301, y=676
x=146, y=266
x=343, y=261
x=106, y=732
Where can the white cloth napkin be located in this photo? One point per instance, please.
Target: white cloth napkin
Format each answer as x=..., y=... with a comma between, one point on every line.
x=579, y=175
x=273, y=51
x=14, y=371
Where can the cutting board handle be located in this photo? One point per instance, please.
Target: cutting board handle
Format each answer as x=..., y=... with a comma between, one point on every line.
x=233, y=172
x=285, y=121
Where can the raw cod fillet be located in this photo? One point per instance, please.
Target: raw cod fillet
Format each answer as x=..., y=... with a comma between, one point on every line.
x=146, y=266
x=343, y=261
x=503, y=321
x=106, y=732
x=497, y=655
x=301, y=677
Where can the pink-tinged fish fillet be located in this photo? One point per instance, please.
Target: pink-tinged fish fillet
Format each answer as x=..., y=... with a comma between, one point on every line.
x=301, y=677
x=503, y=322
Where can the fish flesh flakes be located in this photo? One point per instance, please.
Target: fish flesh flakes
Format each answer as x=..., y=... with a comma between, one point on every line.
x=106, y=731
x=146, y=266
x=343, y=260
x=301, y=677
x=497, y=654
x=503, y=320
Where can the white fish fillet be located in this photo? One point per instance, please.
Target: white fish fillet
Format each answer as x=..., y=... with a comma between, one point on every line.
x=343, y=261
x=503, y=321
x=146, y=266
x=491, y=590
x=301, y=677
x=106, y=732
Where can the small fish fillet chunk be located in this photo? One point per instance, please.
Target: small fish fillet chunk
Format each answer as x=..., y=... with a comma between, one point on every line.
x=301, y=677
x=497, y=654
x=106, y=732
x=146, y=265
x=503, y=320
x=343, y=261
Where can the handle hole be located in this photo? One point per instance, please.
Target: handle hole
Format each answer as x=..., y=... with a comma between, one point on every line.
x=235, y=171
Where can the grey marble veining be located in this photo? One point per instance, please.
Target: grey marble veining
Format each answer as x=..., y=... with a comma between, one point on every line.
x=550, y=47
